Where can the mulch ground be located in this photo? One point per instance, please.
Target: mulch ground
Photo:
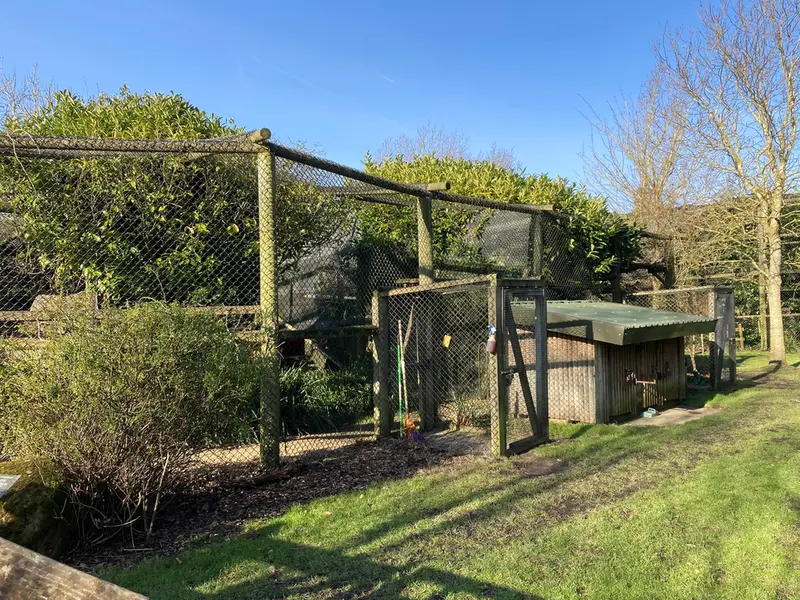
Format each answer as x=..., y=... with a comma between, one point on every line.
x=216, y=504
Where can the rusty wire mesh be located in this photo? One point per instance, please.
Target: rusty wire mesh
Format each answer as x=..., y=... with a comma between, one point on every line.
x=462, y=372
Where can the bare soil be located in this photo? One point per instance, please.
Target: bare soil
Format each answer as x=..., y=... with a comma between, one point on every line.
x=207, y=510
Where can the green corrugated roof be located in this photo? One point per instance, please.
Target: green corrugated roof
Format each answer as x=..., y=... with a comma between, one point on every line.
x=614, y=323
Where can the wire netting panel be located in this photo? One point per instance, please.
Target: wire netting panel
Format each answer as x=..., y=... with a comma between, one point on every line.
x=329, y=260
x=707, y=301
x=281, y=252
x=525, y=368
x=439, y=372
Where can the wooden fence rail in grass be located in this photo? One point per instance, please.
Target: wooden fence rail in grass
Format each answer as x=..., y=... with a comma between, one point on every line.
x=25, y=574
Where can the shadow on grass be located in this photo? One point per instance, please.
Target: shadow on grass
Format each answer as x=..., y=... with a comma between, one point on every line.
x=303, y=571
x=476, y=506
x=444, y=506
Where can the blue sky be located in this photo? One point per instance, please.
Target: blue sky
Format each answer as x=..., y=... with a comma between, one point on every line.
x=346, y=75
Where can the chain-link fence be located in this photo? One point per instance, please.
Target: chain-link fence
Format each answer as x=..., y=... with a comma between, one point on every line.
x=277, y=249
x=458, y=369
x=712, y=357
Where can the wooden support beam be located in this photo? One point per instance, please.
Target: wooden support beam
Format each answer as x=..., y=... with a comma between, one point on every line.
x=424, y=241
x=380, y=366
x=542, y=387
x=536, y=252
x=402, y=188
x=650, y=267
x=70, y=147
x=496, y=365
x=330, y=332
x=616, y=285
x=270, y=393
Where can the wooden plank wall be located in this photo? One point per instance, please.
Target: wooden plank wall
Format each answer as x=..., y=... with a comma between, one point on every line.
x=570, y=376
x=623, y=397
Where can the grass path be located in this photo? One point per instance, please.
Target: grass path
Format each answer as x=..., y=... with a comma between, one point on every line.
x=706, y=509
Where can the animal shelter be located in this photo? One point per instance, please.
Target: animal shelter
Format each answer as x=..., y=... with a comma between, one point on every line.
x=608, y=360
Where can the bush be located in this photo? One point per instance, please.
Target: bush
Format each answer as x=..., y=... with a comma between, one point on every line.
x=120, y=405
x=316, y=401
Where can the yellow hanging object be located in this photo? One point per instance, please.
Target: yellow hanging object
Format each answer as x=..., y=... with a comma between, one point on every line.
x=446, y=341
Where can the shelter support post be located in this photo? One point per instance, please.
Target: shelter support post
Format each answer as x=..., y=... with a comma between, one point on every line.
x=426, y=316
x=497, y=389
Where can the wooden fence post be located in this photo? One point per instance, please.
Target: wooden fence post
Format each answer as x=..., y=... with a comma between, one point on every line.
x=535, y=259
x=380, y=365
x=426, y=318
x=616, y=285
x=270, y=393
x=721, y=301
x=498, y=390
x=425, y=240
x=542, y=386
x=730, y=322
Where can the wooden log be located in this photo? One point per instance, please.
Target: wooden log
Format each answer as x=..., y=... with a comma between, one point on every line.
x=70, y=147
x=24, y=574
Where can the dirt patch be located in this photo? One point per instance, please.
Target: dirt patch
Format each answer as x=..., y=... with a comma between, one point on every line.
x=535, y=466
x=675, y=416
x=459, y=442
x=210, y=511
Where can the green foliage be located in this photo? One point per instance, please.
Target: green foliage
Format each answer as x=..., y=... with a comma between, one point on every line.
x=318, y=401
x=176, y=228
x=602, y=237
x=30, y=512
x=119, y=406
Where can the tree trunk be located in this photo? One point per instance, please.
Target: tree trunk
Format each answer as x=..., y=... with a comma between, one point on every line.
x=774, y=285
x=763, y=323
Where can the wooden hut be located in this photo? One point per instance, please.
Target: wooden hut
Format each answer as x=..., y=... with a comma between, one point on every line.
x=606, y=360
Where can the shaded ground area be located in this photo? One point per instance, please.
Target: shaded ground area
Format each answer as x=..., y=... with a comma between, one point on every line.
x=707, y=509
x=210, y=512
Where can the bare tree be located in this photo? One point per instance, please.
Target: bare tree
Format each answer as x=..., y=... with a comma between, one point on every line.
x=737, y=75
x=20, y=96
x=431, y=139
x=502, y=157
x=635, y=159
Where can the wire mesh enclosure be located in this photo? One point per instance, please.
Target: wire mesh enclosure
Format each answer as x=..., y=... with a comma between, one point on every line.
x=283, y=251
x=452, y=365
x=711, y=357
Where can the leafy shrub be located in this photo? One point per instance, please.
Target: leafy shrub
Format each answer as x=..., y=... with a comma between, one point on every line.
x=120, y=405
x=601, y=237
x=316, y=401
x=153, y=225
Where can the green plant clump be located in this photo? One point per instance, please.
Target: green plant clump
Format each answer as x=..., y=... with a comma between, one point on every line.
x=317, y=401
x=119, y=406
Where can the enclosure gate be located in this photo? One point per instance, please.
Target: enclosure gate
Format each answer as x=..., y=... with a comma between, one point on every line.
x=452, y=360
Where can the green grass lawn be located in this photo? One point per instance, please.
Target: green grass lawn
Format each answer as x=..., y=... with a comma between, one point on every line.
x=706, y=509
